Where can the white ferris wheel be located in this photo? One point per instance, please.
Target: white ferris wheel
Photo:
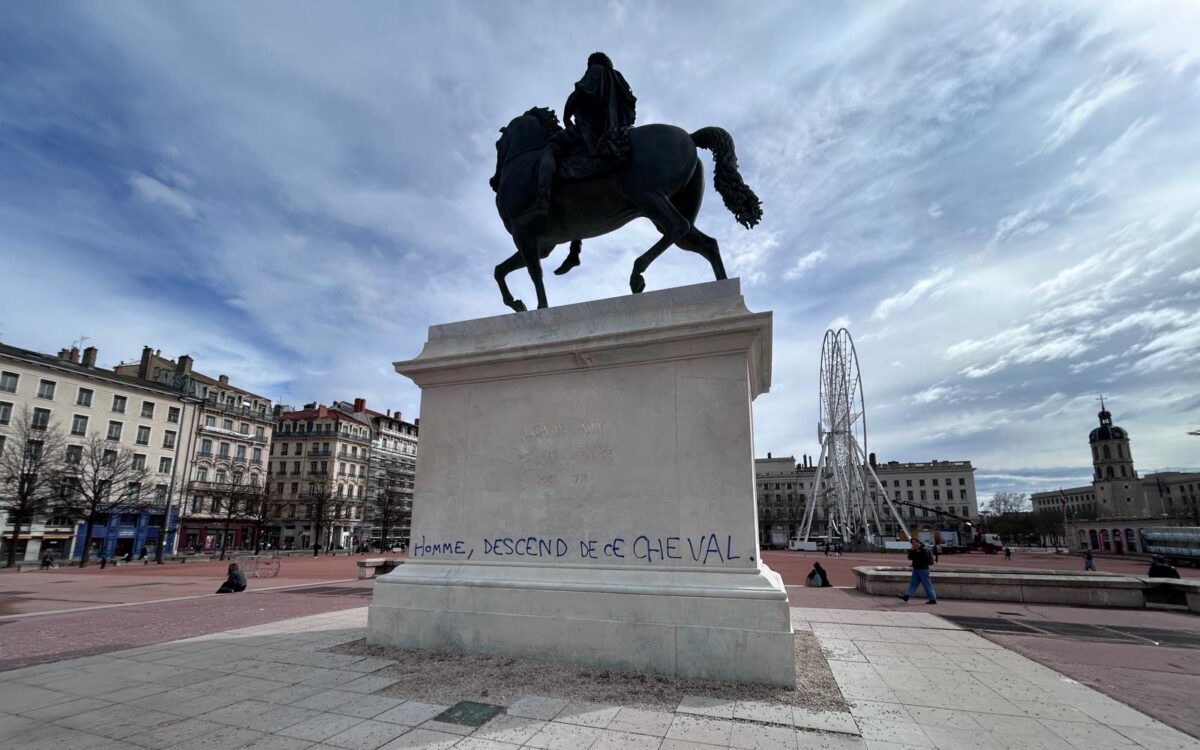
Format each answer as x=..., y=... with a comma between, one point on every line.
x=847, y=494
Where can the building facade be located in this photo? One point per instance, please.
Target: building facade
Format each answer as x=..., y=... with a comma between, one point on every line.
x=86, y=401
x=1110, y=514
x=318, y=475
x=922, y=491
x=227, y=448
x=391, y=471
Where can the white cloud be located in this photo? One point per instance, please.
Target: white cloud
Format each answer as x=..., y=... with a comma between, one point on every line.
x=153, y=191
x=932, y=285
x=934, y=210
x=805, y=263
x=1069, y=117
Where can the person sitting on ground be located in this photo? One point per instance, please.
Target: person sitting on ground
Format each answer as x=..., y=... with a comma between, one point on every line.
x=817, y=578
x=1160, y=568
x=921, y=560
x=234, y=582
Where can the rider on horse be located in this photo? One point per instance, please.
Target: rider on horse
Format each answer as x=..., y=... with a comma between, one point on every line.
x=597, y=116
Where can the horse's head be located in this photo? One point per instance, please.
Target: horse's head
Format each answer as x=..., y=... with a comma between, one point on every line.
x=523, y=134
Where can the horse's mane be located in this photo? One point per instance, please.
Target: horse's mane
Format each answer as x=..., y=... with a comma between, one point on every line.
x=547, y=118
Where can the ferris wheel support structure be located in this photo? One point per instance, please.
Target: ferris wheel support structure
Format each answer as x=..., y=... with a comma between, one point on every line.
x=845, y=487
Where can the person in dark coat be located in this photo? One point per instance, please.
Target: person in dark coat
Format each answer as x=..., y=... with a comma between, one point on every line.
x=234, y=582
x=1160, y=568
x=921, y=560
x=817, y=577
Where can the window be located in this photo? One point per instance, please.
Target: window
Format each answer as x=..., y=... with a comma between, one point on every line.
x=5, y=412
x=221, y=476
x=118, y=404
x=935, y=483
x=961, y=481
x=173, y=415
x=143, y=435
x=206, y=447
x=922, y=494
x=169, y=438
x=74, y=453
x=114, y=431
x=964, y=510
x=937, y=494
x=46, y=389
x=139, y=461
x=257, y=455
x=949, y=494
x=224, y=450
x=201, y=474
x=258, y=432
x=241, y=452
x=84, y=397
x=8, y=381
x=244, y=428
x=41, y=419
x=921, y=482
x=210, y=421
x=197, y=504
x=79, y=425
x=283, y=449
x=227, y=424
x=147, y=410
x=109, y=457
x=910, y=495
x=164, y=465
x=908, y=483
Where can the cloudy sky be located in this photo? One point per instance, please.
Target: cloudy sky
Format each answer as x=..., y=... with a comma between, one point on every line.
x=1000, y=201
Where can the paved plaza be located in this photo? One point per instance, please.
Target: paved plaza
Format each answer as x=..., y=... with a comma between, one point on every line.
x=911, y=679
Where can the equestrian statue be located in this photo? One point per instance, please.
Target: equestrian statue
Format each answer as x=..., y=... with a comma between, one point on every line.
x=558, y=184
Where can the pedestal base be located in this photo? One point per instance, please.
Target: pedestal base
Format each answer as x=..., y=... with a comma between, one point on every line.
x=731, y=625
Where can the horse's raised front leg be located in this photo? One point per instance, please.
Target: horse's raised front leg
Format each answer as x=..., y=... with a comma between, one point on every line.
x=514, y=262
x=658, y=209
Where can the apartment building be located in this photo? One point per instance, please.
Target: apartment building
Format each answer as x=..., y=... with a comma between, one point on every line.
x=318, y=473
x=227, y=449
x=391, y=472
x=70, y=392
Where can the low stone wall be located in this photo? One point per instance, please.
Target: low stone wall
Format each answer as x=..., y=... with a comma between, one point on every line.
x=1049, y=587
x=374, y=566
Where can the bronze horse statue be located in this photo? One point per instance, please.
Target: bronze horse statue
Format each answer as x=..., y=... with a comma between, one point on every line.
x=663, y=180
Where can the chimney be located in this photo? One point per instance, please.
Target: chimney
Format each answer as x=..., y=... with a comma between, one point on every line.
x=223, y=379
x=359, y=405
x=144, y=365
x=768, y=455
x=417, y=423
x=389, y=413
x=184, y=365
x=64, y=354
x=872, y=459
x=89, y=357
x=73, y=355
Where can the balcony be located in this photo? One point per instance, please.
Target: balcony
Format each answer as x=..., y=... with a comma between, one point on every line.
x=319, y=452
x=262, y=415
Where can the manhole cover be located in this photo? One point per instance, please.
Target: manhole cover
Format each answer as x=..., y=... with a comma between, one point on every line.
x=997, y=624
x=469, y=713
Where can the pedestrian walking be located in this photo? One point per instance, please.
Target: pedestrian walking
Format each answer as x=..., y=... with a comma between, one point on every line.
x=921, y=560
x=937, y=553
x=235, y=581
x=1007, y=553
x=1160, y=568
x=817, y=578
x=103, y=558
x=828, y=547
x=48, y=562
x=1089, y=563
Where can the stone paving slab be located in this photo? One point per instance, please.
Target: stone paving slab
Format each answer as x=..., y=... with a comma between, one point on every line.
x=911, y=680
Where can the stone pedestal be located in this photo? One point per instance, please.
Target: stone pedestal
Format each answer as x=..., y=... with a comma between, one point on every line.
x=585, y=490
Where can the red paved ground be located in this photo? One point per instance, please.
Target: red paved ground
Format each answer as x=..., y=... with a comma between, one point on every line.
x=72, y=588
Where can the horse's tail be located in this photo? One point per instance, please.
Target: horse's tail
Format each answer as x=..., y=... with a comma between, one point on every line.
x=737, y=195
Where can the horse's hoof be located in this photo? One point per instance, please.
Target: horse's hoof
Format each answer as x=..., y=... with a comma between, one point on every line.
x=517, y=305
x=637, y=284
x=567, y=265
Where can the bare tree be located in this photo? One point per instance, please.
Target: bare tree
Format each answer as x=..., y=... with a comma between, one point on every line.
x=102, y=479
x=262, y=508
x=322, y=507
x=1008, y=502
x=389, y=507
x=31, y=463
